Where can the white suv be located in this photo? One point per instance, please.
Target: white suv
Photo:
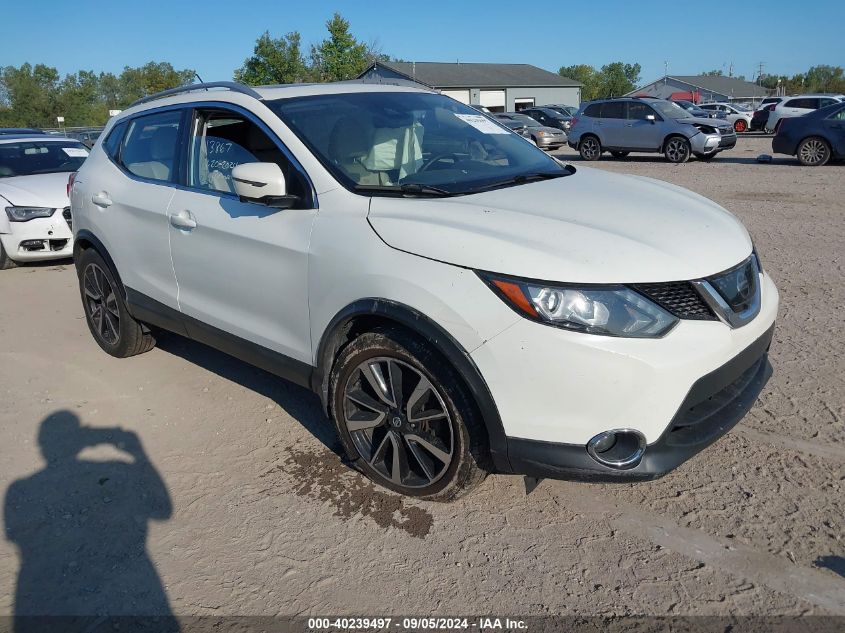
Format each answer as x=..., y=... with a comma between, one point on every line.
x=799, y=106
x=460, y=301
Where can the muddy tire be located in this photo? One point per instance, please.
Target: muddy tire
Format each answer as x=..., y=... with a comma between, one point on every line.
x=405, y=418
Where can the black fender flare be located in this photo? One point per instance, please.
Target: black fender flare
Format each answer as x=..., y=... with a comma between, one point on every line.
x=415, y=321
x=84, y=235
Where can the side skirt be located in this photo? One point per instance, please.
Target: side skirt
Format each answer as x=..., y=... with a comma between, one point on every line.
x=152, y=312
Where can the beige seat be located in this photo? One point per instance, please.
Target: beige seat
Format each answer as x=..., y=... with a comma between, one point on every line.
x=349, y=144
x=162, y=149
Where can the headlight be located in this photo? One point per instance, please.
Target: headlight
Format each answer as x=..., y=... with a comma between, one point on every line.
x=542, y=133
x=607, y=310
x=25, y=214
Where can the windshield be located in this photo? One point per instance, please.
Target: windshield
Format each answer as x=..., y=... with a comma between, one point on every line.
x=668, y=109
x=389, y=142
x=525, y=120
x=565, y=110
x=26, y=158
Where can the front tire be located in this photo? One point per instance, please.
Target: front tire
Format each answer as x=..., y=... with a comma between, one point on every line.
x=590, y=148
x=813, y=152
x=6, y=262
x=405, y=419
x=113, y=328
x=677, y=149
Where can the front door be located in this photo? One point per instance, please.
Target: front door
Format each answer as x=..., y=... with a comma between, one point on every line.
x=639, y=132
x=241, y=267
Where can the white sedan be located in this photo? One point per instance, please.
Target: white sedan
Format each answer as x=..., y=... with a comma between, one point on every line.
x=738, y=116
x=35, y=219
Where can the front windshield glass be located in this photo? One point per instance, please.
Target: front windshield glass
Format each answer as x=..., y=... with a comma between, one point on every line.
x=669, y=110
x=389, y=142
x=566, y=110
x=27, y=158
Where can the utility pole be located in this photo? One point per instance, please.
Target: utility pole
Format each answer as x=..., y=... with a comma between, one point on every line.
x=665, y=70
x=760, y=73
x=731, y=70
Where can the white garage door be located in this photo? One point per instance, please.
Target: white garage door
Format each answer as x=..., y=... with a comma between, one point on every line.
x=458, y=95
x=493, y=98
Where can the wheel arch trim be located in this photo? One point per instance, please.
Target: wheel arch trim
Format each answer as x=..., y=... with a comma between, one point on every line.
x=415, y=321
x=84, y=235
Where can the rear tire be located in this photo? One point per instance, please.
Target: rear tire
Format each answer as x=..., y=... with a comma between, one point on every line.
x=6, y=262
x=113, y=328
x=813, y=152
x=619, y=154
x=590, y=148
x=405, y=419
x=677, y=149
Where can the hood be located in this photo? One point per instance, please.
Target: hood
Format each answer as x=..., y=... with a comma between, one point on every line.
x=38, y=190
x=701, y=121
x=590, y=227
x=547, y=129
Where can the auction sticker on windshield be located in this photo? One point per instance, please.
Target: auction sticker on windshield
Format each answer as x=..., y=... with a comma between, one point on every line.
x=482, y=123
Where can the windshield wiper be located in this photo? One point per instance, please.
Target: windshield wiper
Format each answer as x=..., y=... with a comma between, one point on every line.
x=522, y=179
x=410, y=189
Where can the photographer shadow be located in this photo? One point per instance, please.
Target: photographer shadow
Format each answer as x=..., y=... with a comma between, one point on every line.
x=80, y=526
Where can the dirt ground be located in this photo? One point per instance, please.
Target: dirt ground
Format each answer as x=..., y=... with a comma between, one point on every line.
x=234, y=501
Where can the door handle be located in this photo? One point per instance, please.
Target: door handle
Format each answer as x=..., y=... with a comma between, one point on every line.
x=183, y=220
x=101, y=199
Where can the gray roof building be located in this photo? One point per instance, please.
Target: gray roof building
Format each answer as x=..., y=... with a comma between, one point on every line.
x=499, y=87
x=702, y=88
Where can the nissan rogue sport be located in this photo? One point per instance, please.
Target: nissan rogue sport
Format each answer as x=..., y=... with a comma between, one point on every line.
x=461, y=302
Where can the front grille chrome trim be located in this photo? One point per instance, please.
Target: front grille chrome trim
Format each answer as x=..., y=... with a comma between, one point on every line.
x=721, y=308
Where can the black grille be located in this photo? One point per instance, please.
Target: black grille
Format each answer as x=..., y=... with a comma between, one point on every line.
x=679, y=298
x=66, y=214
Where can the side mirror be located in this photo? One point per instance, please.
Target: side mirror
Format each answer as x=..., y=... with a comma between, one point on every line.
x=650, y=117
x=263, y=183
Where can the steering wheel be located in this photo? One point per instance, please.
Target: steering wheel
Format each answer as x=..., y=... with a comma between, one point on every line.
x=438, y=158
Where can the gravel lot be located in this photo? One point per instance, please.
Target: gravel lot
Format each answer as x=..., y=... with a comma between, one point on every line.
x=263, y=518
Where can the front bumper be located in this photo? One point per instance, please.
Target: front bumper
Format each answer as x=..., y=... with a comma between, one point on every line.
x=709, y=143
x=555, y=389
x=551, y=142
x=39, y=239
x=713, y=406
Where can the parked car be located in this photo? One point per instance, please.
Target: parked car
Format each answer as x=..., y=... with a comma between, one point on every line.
x=87, y=137
x=543, y=136
x=737, y=115
x=621, y=126
x=515, y=126
x=565, y=110
x=799, y=106
x=550, y=117
x=19, y=131
x=761, y=115
x=383, y=246
x=814, y=138
x=695, y=111
x=35, y=224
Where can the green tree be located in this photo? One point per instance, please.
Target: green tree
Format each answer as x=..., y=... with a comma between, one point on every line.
x=825, y=78
x=713, y=73
x=617, y=79
x=340, y=56
x=30, y=94
x=585, y=74
x=150, y=78
x=274, y=61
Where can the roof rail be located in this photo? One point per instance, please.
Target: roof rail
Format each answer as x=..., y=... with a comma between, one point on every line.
x=228, y=85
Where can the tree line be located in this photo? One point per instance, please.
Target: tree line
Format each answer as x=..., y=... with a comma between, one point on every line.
x=35, y=95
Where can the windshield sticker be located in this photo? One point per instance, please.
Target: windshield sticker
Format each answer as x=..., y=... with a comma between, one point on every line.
x=75, y=152
x=482, y=124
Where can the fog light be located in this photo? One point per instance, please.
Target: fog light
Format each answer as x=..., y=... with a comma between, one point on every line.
x=619, y=448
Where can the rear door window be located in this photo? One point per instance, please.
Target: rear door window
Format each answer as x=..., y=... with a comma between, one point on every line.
x=150, y=149
x=613, y=110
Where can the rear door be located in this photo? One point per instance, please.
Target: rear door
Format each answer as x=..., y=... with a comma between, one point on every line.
x=242, y=267
x=130, y=208
x=611, y=126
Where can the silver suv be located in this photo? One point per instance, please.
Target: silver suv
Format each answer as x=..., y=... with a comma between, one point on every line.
x=622, y=126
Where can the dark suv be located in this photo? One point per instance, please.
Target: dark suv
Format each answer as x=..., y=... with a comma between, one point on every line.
x=622, y=126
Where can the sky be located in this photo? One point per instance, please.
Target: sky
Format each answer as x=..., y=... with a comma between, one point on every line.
x=214, y=37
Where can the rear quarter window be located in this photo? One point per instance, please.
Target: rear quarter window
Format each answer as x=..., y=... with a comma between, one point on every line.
x=593, y=110
x=111, y=145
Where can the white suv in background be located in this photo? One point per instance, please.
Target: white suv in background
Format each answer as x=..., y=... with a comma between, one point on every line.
x=460, y=301
x=737, y=115
x=799, y=106
x=35, y=220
